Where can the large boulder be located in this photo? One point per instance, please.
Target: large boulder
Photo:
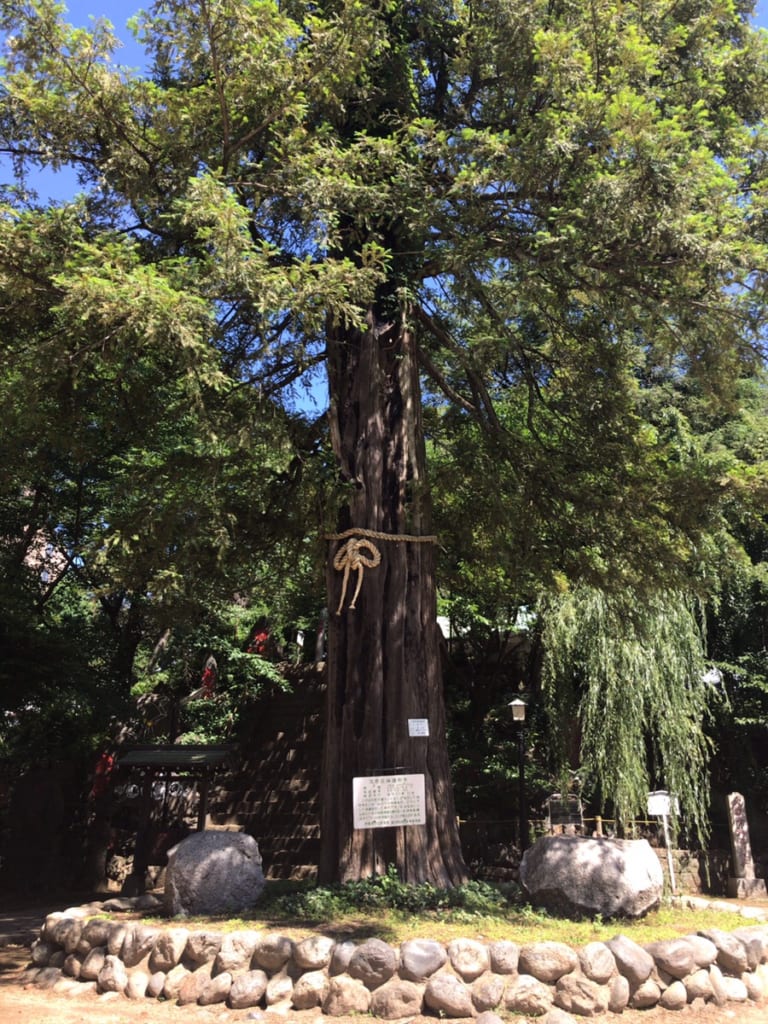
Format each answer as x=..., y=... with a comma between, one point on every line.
x=576, y=875
x=214, y=873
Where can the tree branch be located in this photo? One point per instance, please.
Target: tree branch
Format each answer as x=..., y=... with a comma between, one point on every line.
x=483, y=410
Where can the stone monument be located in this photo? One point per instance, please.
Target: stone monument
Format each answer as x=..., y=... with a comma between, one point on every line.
x=742, y=883
x=578, y=876
x=215, y=873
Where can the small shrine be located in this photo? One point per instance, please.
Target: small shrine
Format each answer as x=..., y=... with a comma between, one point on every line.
x=168, y=775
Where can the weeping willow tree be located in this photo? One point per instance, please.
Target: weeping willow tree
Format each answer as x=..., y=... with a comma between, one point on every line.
x=629, y=670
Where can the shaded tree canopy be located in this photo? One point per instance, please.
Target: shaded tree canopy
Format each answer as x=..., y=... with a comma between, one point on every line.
x=543, y=216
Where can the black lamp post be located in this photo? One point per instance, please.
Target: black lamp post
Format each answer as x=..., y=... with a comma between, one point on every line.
x=518, y=716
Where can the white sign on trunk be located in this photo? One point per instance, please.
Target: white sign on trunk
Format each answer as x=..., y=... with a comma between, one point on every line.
x=382, y=801
x=418, y=727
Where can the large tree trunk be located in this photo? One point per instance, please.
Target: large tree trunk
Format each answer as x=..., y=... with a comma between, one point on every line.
x=384, y=654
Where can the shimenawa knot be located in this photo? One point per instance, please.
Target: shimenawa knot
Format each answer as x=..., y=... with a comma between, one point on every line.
x=350, y=558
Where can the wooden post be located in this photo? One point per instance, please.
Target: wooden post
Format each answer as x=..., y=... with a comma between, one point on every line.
x=202, y=806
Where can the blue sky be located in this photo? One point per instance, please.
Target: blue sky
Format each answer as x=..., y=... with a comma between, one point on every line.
x=80, y=12
x=119, y=11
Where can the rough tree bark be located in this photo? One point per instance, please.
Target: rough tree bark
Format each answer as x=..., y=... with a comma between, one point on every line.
x=384, y=655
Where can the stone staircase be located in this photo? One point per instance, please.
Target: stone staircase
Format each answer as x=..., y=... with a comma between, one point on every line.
x=273, y=793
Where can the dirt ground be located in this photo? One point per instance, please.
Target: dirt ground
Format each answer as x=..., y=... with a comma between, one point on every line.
x=20, y=1004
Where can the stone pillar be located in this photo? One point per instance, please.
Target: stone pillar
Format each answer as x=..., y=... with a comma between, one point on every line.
x=742, y=884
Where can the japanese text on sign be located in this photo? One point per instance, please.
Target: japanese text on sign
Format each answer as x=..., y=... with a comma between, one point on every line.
x=382, y=801
x=418, y=727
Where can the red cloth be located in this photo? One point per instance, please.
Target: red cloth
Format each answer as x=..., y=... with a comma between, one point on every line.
x=104, y=768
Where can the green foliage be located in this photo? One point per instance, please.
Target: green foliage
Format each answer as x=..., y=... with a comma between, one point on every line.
x=563, y=203
x=58, y=700
x=630, y=672
x=386, y=891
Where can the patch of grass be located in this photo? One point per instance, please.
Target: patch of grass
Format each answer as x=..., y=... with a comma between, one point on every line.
x=388, y=909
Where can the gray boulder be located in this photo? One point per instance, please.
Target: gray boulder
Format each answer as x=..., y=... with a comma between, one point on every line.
x=41, y=952
x=698, y=985
x=448, y=996
x=93, y=963
x=138, y=943
x=505, y=956
x=754, y=986
x=469, y=958
x=731, y=953
x=314, y=953
x=236, y=952
x=47, y=977
x=167, y=949
x=547, y=961
x=67, y=932
x=96, y=932
x=488, y=991
x=597, y=962
x=674, y=956
x=174, y=980
x=373, y=963
x=557, y=1016
x=310, y=990
x=634, y=962
x=397, y=999
x=645, y=995
x=704, y=951
x=719, y=994
x=755, y=940
x=247, y=990
x=156, y=985
x=138, y=982
x=674, y=997
x=216, y=990
x=192, y=986
x=113, y=976
x=618, y=994
x=735, y=990
x=346, y=996
x=526, y=995
x=342, y=954
x=421, y=958
x=279, y=988
x=72, y=965
x=202, y=947
x=577, y=994
x=117, y=938
x=216, y=873
x=272, y=952
x=576, y=875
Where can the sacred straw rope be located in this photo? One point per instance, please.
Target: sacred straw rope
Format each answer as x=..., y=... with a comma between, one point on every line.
x=350, y=558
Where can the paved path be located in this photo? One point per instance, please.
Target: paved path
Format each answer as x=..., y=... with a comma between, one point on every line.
x=20, y=921
x=20, y=927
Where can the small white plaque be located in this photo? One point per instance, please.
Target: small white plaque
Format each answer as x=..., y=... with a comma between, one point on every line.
x=382, y=801
x=660, y=804
x=418, y=727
